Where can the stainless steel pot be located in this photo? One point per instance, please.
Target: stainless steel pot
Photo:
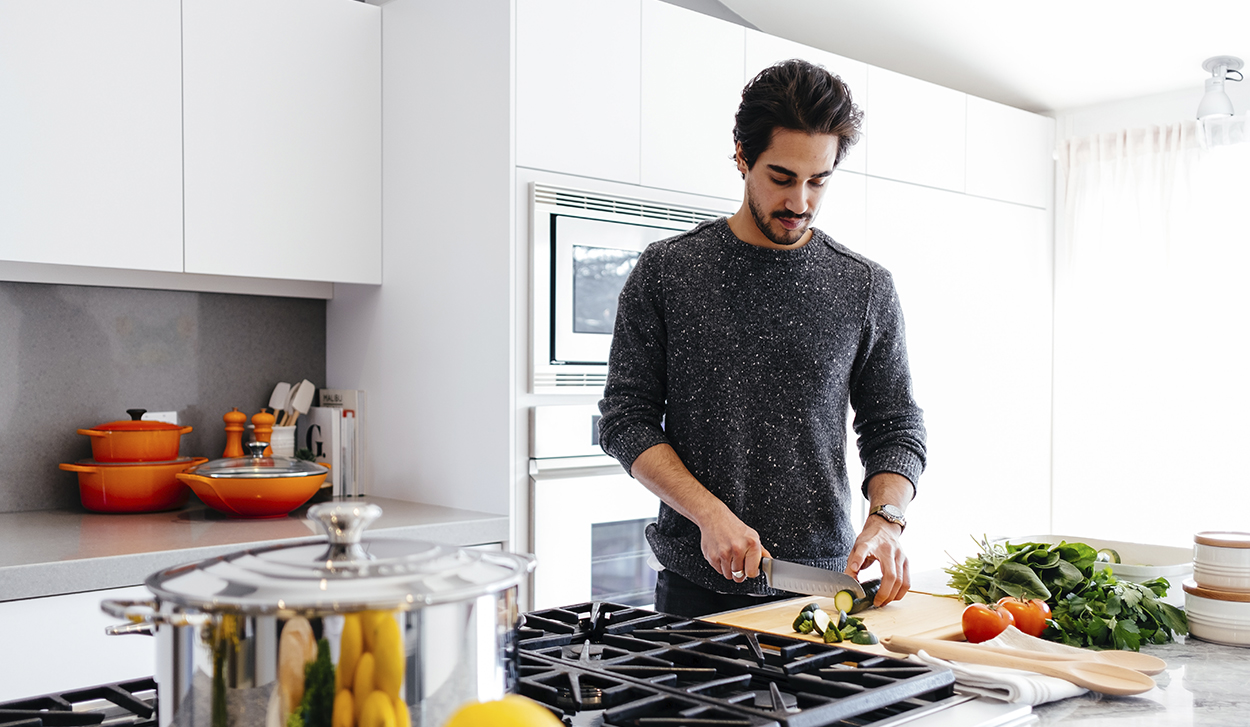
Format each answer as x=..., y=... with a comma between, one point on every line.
x=252, y=637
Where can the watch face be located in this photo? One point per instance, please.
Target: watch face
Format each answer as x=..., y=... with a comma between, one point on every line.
x=891, y=511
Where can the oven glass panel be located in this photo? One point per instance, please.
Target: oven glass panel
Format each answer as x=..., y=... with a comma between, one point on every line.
x=599, y=273
x=619, y=572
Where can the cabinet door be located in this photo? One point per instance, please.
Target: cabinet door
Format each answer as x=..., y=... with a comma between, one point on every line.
x=90, y=133
x=973, y=277
x=692, y=68
x=283, y=130
x=577, y=76
x=763, y=50
x=1010, y=153
x=917, y=131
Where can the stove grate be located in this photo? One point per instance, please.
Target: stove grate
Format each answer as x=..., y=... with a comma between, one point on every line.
x=130, y=703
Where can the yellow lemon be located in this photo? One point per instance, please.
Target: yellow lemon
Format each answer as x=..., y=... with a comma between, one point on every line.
x=511, y=711
x=362, y=683
x=401, y=714
x=368, y=622
x=344, y=710
x=351, y=645
x=378, y=711
x=388, y=652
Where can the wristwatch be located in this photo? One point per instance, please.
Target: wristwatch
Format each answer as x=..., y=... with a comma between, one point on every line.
x=890, y=513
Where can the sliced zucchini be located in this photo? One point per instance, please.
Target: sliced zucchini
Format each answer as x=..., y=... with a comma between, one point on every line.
x=821, y=620
x=832, y=635
x=844, y=600
x=864, y=638
x=1107, y=555
x=806, y=626
x=870, y=592
x=813, y=606
x=840, y=621
x=798, y=621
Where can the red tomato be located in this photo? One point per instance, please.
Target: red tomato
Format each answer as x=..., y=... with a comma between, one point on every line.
x=1030, y=615
x=983, y=622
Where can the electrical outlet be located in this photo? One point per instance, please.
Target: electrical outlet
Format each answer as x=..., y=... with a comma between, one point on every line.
x=169, y=417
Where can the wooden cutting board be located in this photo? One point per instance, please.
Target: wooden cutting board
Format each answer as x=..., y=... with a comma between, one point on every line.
x=916, y=614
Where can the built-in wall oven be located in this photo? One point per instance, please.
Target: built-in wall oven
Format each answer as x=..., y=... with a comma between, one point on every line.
x=589, y=516
x=585, y=244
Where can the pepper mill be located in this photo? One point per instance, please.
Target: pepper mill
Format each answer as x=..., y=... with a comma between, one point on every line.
x=263, y=423
x=235, y=421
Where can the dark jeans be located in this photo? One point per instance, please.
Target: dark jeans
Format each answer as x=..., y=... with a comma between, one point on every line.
x=678, y=596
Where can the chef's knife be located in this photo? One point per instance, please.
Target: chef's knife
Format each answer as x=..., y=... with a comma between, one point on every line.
x=786, y=576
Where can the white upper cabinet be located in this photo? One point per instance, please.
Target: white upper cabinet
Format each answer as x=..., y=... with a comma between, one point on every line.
x=282, y=103
x=577, y=79
x=90, y=133
x=692, y=71
x=763, y=50
x=1010, y=153
x=915, y=132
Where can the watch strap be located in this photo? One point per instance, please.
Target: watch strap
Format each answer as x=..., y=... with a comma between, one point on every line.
x=891, y=514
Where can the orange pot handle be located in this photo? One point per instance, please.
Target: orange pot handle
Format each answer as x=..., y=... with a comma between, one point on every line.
x=78, y=468
x=93, y=433
x=185, y=430
x=188, y=478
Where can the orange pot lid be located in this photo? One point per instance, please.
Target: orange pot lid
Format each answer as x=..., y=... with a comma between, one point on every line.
x=136, y=423
x=1215, y=595
x=1223, y=539
x=160, y=463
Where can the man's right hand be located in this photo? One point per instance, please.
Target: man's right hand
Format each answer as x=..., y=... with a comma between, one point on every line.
x=733, y=549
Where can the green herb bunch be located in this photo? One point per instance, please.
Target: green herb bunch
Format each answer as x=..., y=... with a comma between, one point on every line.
x=1090, y=607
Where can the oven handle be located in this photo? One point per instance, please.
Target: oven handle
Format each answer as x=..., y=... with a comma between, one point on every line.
x=143, y=617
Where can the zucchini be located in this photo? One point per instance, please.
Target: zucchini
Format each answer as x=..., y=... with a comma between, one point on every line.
x=821, y=621
x=840, y=621
x=798, y=621
x=844, y=600
x=870, y=592
x=1107, y=555
x=832, y=635
x=864, y=638
x=806, y=626
x=813, y=606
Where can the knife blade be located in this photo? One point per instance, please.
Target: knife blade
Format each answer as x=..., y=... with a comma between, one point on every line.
x=786, y=576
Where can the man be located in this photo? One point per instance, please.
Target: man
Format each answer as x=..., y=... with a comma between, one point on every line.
x=737, y=349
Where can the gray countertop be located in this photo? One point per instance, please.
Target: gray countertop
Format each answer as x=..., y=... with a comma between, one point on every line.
x=51, y=552
x=1205, y=685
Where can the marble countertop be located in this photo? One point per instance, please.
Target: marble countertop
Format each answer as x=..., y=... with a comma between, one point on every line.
x=50, y=552
x=1204, y=685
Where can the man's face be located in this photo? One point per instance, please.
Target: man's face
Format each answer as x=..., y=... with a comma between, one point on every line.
x=785, y=187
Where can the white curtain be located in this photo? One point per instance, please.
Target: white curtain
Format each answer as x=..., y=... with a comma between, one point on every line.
x=1151, y=421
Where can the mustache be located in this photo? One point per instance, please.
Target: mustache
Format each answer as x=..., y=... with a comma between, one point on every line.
x=790, y=215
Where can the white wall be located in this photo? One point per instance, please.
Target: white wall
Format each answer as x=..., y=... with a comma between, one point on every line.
x=1162, y=108
x=433, y=345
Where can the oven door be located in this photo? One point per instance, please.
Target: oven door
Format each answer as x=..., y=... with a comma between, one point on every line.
x=589, y=537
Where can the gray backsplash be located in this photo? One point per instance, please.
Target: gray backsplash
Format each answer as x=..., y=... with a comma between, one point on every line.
x=74, y=357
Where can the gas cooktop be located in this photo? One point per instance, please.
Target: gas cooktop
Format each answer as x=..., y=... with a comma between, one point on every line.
x=603, y=664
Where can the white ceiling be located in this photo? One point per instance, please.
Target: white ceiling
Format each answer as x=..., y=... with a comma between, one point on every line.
x=1039, y=56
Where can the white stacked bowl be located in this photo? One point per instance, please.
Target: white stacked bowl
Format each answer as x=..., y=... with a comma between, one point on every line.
x=1222, y=561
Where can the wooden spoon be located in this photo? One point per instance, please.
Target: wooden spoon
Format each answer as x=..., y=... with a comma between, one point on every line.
x=1093, y=675
x=1144, y=663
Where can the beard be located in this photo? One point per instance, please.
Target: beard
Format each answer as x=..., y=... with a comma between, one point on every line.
x=780, y=236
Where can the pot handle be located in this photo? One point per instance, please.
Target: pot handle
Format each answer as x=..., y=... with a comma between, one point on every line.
x=185, y=430
x=343, y=525
x=144, y=617
x=78, y=468
x=93, y=433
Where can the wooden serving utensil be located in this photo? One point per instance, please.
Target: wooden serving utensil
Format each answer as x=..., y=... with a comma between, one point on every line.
x=1144, y=663
x=1093, y=675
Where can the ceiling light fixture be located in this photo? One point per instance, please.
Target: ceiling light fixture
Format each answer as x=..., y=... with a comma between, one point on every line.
x=1215, y=102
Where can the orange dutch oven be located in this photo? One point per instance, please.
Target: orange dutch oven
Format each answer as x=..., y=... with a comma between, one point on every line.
x=135, y=440
x=132, y=487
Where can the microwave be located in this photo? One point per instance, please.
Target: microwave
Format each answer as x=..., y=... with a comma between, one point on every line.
x=584, y=246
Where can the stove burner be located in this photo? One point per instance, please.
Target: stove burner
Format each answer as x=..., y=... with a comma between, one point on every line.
x=584, y=651
x=773, y=700
x=591, y=698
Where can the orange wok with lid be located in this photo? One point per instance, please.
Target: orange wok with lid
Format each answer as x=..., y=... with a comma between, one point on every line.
x=255, y=485
x=135, y=440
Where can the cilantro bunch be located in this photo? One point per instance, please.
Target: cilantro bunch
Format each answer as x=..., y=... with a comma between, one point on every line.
x=1090, y=607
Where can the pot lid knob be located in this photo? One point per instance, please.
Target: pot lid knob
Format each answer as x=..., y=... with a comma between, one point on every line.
x=136, y=414
x=257, y=449
x=343, y=525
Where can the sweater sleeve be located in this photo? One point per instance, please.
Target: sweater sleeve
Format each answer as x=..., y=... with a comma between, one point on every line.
x=632, y=407
x=888, y=422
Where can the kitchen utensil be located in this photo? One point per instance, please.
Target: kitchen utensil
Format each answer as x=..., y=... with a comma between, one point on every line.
x=135, y=440
x=1222, y=560
x=1222, y=617
x=132, y=486
x=232, y=631
x=279, y=398
x=262, y=428
x=236, y=422
x=301, y=399
x=1135, y=660
x=1093, y=675
x=255, y=486
x=798, y=578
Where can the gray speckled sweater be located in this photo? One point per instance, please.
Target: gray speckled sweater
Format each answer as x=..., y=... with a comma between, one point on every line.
x=744, y=360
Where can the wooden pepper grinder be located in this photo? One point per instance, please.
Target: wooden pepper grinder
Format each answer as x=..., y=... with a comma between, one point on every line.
x=235, y=421
x=263, y=423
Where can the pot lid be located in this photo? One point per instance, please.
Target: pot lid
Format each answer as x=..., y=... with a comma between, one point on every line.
x=255, y=465
x=1223, y=539
x=346, y=574
x=1191, y=587
x=157, y=463
x=136, y=423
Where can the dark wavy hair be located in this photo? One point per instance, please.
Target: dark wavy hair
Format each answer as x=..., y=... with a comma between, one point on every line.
x=799, y=96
